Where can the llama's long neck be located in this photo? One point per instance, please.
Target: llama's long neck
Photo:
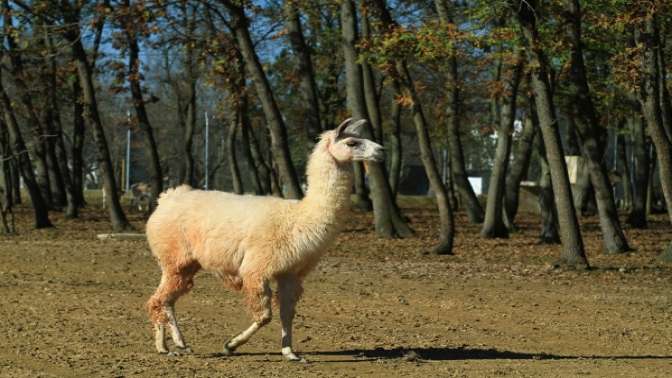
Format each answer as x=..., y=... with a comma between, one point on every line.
x=329, y=187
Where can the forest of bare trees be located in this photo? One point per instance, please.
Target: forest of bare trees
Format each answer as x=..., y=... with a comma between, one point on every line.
x=460, y=87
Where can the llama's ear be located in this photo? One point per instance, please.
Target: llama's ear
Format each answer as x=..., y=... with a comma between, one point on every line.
x=341, y=128
x=356, y=128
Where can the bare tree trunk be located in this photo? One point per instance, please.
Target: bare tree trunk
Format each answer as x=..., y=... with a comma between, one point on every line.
x=245, y=144
x=156, y=175
x=279, y=145
x=520, y=163
x=494, y=224
x=388, y=220
x=447, y=223
x=18, y=148
x=592, y=137
x=570, y=234
x=188, y=169
x=637, y=215
x=313, y=125
x=265, y=173
x=457, y=165
x=77, y=149
x=370, y=94
x=395, y=147
x=15, y=180
x=626, y=177
x=549, y=214
x=117, y=216
x=231, y=150
x=650, y=101
x=38, y=146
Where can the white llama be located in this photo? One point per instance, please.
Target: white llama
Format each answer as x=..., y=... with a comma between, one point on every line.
x=250, y=241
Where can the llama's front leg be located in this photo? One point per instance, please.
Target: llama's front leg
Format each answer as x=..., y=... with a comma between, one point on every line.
x=258, y=298
x=289, y=292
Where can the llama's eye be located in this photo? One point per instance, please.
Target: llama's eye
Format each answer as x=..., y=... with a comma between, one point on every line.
x=352, y=143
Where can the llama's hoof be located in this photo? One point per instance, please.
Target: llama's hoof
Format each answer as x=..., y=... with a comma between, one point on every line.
x=290, y=356
x=180, y=352
x=228, y=351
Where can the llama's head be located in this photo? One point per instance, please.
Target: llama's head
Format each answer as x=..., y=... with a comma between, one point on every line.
x=347, y=143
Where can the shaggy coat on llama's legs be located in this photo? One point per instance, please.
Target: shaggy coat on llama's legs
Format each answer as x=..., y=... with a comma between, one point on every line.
x=250, y=241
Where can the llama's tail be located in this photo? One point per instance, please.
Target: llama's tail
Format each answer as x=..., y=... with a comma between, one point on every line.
x=174, y=192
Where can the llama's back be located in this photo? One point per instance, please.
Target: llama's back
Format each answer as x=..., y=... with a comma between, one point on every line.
x=209, y=226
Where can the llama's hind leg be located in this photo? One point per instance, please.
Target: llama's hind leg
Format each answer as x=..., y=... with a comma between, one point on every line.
x=258, y=296
x=161, y=306
x=289, y=292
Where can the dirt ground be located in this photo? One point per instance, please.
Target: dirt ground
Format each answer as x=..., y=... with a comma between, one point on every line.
x=73, y=306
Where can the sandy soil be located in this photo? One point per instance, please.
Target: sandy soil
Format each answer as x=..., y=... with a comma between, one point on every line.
x=73, y=306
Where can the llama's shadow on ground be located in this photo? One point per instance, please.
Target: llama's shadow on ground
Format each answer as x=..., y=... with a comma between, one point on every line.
x=447, y=354
x=464, y=353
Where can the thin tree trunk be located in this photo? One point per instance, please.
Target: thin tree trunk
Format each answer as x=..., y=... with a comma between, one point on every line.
x=279, y=144
x=245, y=144
x=265, y=174
x=549, y=215
x=650, y=101
x=457, y=165
x=637, y=215
x=61, y=155
x=520, y=163
x=231, y=150
x=16, y=182
x=494, y=224
x=313, y=125
x=38, y=146
x=447, y=223
x=188, y=169
x=395, y=148
x=593, y=138
x=25, y=168
x=370, y=94
x=570, y=234
x=387, y=217
x=117, y=216
x=77, y=149
x=626, y=176
x=156, y=175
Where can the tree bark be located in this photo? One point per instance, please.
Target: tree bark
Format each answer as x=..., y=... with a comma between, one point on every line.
x=637, y=215
x=313, y=125
x=61, y=156
x=279, y=145
x=38, y=146
x=446, y=219
x=72, y=35
x=395, y=147
x=592, y=137
x=520, y=164
x=570, y=234
x=457, y=165
x=387, y=217
x=549, y=215
x=626, y=176
x=189, y=122
x=494, y=224
x=156, y=175
x=25, y=168
x=231, y=151
x=649, y=97
x=77, y=149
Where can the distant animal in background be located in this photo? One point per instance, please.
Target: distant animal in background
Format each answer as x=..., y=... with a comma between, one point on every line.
x=250, y=241
x=142, y=196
